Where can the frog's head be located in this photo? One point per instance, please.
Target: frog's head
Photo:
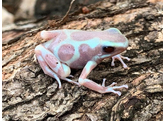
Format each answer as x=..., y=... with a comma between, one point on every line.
x=115, y=44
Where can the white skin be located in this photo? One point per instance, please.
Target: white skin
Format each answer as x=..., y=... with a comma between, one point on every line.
x=67, y=49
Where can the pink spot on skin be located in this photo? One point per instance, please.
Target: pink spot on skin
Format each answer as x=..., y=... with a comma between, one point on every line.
x=102, y=35
x=52, y=61
x=82, y=35
x=86, y=54
x=43, y=64
x=66, y=52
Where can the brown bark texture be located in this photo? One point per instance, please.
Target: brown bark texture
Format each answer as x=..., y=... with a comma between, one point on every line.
x=30, y=95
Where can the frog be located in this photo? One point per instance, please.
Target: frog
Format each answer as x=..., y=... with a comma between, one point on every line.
x=68, y=49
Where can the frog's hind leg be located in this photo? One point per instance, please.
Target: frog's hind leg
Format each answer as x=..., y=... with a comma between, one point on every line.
x=52, y=66
x=46, y=68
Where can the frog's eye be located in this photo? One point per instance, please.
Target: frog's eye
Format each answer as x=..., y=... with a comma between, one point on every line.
x=108, y=49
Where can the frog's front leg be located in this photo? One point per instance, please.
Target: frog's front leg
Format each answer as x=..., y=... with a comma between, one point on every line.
x=94, y=86
x=52, y=66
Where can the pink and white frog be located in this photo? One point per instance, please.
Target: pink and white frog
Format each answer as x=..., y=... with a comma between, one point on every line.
x=80, y=49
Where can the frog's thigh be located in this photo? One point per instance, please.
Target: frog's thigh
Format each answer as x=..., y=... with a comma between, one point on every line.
x=56, y=66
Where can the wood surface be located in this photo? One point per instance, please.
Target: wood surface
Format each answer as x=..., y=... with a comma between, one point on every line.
x=29, y=95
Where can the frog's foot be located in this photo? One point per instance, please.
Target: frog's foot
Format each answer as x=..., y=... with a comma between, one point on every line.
x=111, y=87
x=113, y=83
x=71, y=81
x=119, y=57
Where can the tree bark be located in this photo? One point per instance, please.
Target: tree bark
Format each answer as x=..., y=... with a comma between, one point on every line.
x=29, y=94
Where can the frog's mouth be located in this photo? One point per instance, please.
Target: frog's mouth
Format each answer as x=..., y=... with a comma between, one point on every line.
x=118, y=50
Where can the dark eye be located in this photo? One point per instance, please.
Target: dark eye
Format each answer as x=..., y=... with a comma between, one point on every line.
x=108, y=49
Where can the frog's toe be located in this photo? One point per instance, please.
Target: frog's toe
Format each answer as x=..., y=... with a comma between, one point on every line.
x=110, y=89
x=103, y=83
x=114, y=83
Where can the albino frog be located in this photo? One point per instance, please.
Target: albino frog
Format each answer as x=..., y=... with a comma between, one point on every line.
x=80, y=49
